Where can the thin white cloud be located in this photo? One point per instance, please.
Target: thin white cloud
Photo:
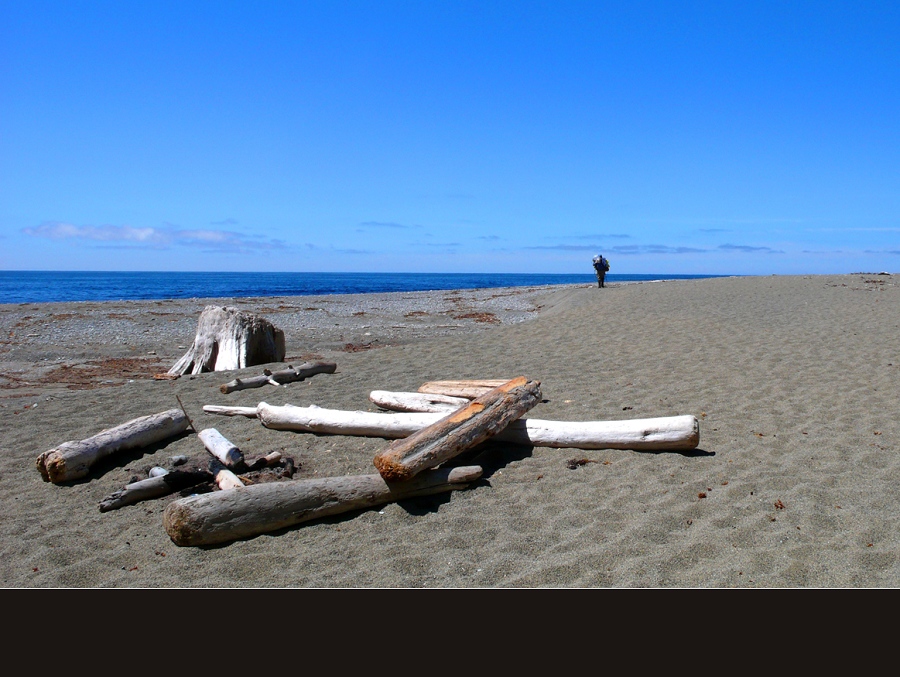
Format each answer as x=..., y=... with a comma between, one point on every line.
x=637, y=250
x=158, y=238
x=595, y=237
x=633, y=249
x=749, y=250
x=563, y=247
x=58, y=230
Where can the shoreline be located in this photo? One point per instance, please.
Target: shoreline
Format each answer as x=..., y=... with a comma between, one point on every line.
x=795, y=381
x=45, y=345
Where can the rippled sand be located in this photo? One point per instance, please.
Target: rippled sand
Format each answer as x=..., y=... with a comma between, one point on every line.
x=796, y=482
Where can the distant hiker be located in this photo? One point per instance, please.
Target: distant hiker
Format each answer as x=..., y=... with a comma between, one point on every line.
x=601, y=265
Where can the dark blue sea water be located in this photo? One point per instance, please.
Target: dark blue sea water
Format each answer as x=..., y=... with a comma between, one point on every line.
x=51, y=286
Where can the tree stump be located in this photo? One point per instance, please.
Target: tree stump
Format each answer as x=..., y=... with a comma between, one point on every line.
x=228, y=338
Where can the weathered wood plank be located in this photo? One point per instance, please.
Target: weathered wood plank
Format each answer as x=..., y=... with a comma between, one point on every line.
x=469, y=389
x=395, y=401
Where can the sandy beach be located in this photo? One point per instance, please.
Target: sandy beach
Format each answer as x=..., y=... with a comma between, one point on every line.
x=795, y=381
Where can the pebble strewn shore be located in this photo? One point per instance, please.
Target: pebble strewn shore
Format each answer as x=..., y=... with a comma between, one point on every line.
x=46, y=347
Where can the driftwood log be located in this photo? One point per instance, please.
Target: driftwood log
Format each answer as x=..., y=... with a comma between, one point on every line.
x=228, y=338
x=281, y=377
x=267, y=461
x=226, y=410
x=225, y=478
x=468, y=389
x=73, y=460
x=154, y=487
x=672, y=433
x=223, y=516
x=398, y=401
x=463, y=429
x=217, y=445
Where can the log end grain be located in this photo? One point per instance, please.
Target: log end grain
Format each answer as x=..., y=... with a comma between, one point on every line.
x=694, y=440
x=178, y=524
x=53, y=466
x=391, y=467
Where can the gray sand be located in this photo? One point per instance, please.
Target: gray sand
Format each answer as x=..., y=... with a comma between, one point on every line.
x=796, y=482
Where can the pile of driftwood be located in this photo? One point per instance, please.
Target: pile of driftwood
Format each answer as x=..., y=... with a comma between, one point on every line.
x=73, y=460
x=429, y=428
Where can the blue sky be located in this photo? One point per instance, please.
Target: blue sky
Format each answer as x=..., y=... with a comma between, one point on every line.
x=674, y=137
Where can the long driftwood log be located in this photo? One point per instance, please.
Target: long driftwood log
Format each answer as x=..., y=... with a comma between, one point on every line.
x=226, y=410
x=73, y=460
x=463, y=429
x=674, y=433
x=281, y=377
x=154, y=487
x=398, y=401
x=223, y=516
x=228, y=338
x=469, y=389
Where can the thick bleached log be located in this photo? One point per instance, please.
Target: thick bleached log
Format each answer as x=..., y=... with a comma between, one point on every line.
x=73, y=460
x=224, y=410
x=228, y=338
x=463, y=429
x=647, y=434
x=220, y=447
x=641, y=434
x=154, y=487
x=281, y=377
x=468, y=389
x=224, y=516
x=395, y=401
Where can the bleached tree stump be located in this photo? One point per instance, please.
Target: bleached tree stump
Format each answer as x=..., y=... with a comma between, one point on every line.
x=222, y=516
x=463, y=429
x=73, y=460
x=228, y=338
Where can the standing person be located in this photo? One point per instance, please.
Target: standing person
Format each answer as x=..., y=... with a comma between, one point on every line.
x=601, y=265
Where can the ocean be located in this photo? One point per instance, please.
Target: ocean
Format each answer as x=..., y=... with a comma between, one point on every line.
x=66, y=286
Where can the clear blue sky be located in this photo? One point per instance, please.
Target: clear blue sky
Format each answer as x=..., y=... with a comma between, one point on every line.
x=674, y=137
